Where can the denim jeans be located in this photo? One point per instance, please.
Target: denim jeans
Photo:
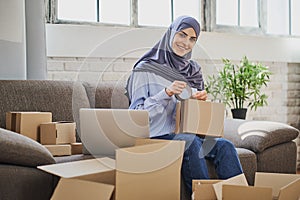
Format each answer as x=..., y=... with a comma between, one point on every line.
x=219, y=150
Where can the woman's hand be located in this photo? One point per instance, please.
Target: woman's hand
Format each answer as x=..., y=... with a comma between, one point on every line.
x=175, y=88
x=200, y=95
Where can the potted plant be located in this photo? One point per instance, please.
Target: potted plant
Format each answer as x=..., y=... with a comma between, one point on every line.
x=240, y=86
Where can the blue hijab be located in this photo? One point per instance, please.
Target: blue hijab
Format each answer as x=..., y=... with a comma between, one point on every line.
x=162, y=57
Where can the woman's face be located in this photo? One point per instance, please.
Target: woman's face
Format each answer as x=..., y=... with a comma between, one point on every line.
x=184, y=41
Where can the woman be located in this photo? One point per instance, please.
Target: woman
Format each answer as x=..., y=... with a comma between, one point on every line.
x=157, y=77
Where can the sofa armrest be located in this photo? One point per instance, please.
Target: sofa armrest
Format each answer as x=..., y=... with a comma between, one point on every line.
x=258, y=135
x=20, y=150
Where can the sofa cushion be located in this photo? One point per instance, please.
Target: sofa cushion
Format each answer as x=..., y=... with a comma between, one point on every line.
x=17, y=149
x=62, y=98
x=106, y=94
x=258, y=135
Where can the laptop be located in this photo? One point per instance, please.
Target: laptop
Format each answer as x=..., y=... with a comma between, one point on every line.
x=105, y=130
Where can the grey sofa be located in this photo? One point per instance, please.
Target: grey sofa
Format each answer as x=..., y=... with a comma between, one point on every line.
x=261, y=145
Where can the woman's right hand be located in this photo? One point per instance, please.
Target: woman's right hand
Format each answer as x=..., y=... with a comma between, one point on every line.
x=175, y=88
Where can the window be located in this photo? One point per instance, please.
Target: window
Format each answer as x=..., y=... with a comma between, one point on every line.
x=77, y=10
x=110, y=13
x=276, y=17
x=242, y=13
x=295, y=17
x=150, y=13
x=162, y=13
x=283, y=18
x=190, y=7
x=154, y=12
x=104, y=11
x=248, y=13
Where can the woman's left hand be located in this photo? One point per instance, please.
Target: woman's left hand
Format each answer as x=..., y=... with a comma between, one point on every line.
x=200, y=95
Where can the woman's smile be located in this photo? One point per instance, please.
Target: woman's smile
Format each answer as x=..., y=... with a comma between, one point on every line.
x=184, y=41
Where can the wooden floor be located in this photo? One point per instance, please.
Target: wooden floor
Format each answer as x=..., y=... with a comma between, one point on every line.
x=298, y=171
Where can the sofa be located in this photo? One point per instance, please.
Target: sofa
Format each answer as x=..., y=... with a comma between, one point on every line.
x=262, y=146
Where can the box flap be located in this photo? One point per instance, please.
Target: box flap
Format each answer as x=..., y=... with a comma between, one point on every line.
x=204, y=182
x=143, y=141
x=236, y=180
x=290, y=191
x=274, y=180
x=238, y=192
x=150, y=156
x=79, y=189
x=203, y=189
x=80, y=168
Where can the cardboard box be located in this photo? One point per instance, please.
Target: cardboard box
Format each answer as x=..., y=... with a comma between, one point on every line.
x=76, y=148
x=149, y=171
x=200, y=117
x=58, y=132
x=92, y=179
x=204, y=190
x=59, y=149
x=267, y=186
x=284, y=186
x=27, y=123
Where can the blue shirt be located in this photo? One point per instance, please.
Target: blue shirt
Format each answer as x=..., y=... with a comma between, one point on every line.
x=148, y=93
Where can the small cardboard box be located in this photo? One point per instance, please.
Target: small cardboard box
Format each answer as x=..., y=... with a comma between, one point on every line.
x=59, y=149
x=149, y=171
x=76, y=148
x=267, y=186
x=92, y=179
x=58, y=132
x=27, y=123
x=200, y=117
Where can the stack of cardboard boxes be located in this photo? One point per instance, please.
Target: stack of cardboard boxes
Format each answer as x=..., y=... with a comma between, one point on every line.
x=58, y=137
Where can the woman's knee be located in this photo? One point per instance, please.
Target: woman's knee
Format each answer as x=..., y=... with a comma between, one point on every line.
x=191, y=140
x=223, y=143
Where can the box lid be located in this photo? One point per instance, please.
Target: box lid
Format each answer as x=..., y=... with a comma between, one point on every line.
x=149, y=157
x=80, y=168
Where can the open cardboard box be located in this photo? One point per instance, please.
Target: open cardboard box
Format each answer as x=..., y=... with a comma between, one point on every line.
x=92, y=179
x=200, y=117
x=150, y=170
x=284, y=186
x=267, y=186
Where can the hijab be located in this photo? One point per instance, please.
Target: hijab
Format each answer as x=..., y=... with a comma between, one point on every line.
x=162, y=60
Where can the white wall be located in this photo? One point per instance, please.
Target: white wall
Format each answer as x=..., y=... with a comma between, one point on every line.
x=22, y=40
x=12, y=39
x=105, y=41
